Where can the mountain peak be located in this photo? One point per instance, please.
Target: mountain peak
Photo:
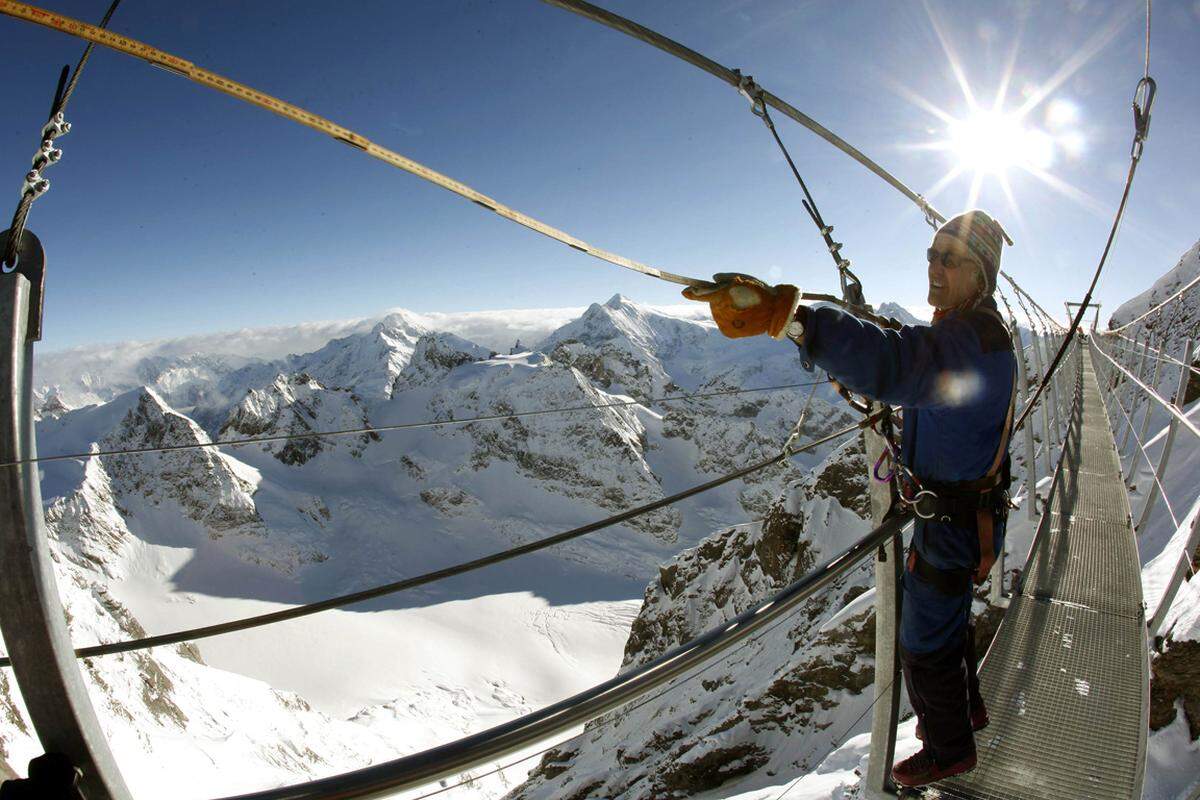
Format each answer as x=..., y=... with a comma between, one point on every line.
x=400, y=319
x=619, y=301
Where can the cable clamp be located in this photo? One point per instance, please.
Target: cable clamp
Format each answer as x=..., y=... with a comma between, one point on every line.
x=828, y=229
x=927, y=210
x=47, y=155
x=57, y=126
x=750, y=90
x=834, y=247
x=35, y=185
x=1143, y=101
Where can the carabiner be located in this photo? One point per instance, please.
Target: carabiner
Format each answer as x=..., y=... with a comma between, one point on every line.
x=1143, y=102
x=886, y=453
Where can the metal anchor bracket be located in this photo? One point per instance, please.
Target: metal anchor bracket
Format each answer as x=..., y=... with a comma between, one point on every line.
x=31, y=262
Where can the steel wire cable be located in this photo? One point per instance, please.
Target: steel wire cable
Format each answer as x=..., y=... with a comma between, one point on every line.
x=1030, y=319
x=734, y=78
x=369, y=429
x=1168, y=406
x=1141, y=447
x=1087, y=298
x=455, y=757
x=308, y=609
x=643, y=701
x=62, y=95
x=1174, y=297
x=1021, y=293
x=1161, y=355
x=839, y=740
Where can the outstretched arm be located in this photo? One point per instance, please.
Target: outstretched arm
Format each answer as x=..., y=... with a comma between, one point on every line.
x=916, y=365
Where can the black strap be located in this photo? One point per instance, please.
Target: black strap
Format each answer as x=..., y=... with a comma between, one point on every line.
x=947, y=581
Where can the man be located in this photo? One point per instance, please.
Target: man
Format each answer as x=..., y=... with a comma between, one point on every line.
x=955, y=381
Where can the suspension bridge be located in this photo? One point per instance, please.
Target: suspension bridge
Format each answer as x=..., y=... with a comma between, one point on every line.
x=1071, y=657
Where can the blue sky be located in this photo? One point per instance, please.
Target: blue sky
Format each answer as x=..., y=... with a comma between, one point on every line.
x=178, y=210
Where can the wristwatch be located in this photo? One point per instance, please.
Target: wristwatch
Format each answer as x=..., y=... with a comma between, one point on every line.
x=794, y=330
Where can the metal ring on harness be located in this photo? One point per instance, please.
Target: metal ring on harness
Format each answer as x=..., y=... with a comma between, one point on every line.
x=920, y=498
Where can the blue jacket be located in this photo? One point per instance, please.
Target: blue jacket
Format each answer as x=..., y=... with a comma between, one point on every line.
x=954, y=380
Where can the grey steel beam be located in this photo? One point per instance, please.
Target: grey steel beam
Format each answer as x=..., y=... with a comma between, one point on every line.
x=31, y=612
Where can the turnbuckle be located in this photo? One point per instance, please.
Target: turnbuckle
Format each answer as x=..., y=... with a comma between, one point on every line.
x=1143, y=101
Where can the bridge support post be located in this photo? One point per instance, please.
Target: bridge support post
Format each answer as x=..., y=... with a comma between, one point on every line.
x=1047, y=457
x=888, y=562
x=1134, y=397
x=31, y=613
x=1030, y=459
x=1181, y=570
x=1052, y=390
x=1158, y=362
x=1172, y=427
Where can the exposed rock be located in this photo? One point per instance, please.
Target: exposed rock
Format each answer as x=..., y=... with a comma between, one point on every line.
x=296, y=406
x=1175, y=678
x=770, y=703
x=434, y=356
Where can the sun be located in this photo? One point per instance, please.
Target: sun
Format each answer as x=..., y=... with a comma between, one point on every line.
x=990, y=142
x=995, y=141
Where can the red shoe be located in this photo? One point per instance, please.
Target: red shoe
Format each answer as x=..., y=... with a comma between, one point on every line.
x=920, y=769
x=979, y=721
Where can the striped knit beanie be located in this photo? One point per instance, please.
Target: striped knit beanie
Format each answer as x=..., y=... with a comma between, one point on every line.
x=983, y=237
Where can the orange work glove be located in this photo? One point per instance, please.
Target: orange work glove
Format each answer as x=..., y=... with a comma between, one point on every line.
x=745, y=306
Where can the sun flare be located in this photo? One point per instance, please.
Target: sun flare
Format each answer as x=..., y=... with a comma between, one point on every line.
x=990, y=140
x=990, y=143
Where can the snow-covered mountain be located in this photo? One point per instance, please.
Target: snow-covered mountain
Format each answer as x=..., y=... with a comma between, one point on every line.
x=177, y=537
x=1176, y=321
x=771, y=706
x=164, y=540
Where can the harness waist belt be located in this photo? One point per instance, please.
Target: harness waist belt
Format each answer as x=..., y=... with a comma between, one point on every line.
x=958, y=507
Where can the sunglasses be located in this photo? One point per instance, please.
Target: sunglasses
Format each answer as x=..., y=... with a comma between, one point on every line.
x=947, y=260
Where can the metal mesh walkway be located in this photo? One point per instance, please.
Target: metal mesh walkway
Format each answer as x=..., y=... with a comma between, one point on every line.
x=1066, y=680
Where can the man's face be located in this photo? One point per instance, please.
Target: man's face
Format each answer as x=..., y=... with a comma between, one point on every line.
x=952, y=286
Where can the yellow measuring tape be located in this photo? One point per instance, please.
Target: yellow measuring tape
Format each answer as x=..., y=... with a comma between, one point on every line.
x=253, y=96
